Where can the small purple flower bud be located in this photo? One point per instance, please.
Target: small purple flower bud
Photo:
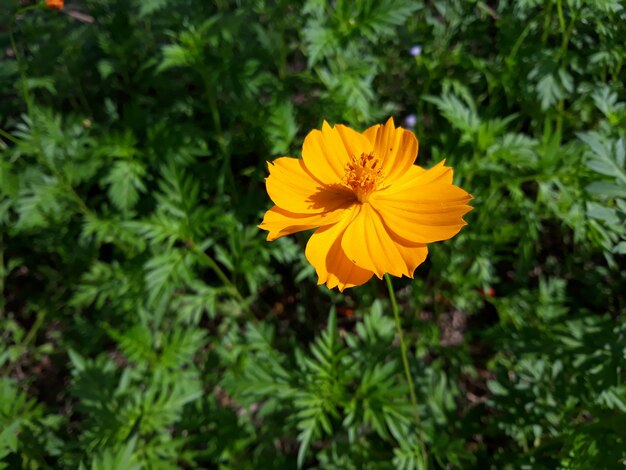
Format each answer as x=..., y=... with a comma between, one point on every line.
x=410, y=121
x=416, y=51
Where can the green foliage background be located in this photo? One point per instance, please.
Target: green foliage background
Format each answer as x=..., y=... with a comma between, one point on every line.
x=146, y=324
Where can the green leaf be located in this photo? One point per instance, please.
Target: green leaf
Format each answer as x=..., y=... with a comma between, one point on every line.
x=549, y=90
x=461, y=115
x=620, y=248
x=281, y=128
x=125, y=180
x=147, y=7
x=606, y=189
x=175, y=55
x=120, y=458
x=606, y=158
x=379, y=18
x=320, y=41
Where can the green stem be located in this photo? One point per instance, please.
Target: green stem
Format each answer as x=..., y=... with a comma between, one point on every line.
x=8, y=136
x=20, y=68
x=2, y=273
x=405, y=361
x=566, y=33
x=546, y=24
x=559, y=9
x=518, y=43
x=32, y=333
x=211, y=94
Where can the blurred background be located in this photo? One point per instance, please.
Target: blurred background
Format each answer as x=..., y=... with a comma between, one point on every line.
x=145, y=323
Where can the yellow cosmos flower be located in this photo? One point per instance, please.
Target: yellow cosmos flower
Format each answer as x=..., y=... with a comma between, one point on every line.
x=373, y=209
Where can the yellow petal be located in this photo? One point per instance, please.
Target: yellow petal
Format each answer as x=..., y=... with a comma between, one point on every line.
x=396, y=147
x=293, y=188
x=413, y=255
x=354, y=142
x=425, y=210
x=280, y=222
x=327, y=152
x=325, y=155
x=417, y=175
x=333, y=267
x=369, y=244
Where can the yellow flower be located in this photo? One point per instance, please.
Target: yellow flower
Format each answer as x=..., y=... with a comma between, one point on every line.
x=375, y=210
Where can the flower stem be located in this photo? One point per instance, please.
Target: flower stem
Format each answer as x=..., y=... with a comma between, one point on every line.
x=405, y=361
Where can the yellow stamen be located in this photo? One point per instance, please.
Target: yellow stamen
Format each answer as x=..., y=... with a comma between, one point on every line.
x=362, y=175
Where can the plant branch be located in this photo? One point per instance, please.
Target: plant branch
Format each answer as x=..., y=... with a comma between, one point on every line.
x=405, y=361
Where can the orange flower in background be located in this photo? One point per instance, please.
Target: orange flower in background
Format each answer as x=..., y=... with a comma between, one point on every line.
x=373, y=209
x=56, y=4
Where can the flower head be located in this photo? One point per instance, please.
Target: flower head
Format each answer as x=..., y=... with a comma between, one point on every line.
x=410, y=121
x=416, y=51
x=55, y=4
x=374, y=210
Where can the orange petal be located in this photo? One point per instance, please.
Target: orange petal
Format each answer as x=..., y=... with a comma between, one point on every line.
x=354, y=142
x=371, y=246
x=396, y=147
x=418, y=175
x=280, y=222
x=293, y=188
x=327, y=152
x=413, y=255
x=333, y=267
x=425, y=210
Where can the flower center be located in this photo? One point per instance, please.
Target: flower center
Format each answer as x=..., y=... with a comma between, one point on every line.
x=362, y=175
